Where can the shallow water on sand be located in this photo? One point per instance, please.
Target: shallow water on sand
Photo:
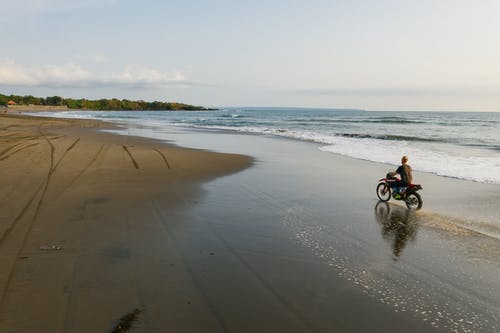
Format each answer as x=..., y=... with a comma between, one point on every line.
x=298, y=207
x=471, y=205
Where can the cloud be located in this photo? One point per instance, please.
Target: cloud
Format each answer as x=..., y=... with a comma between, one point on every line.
x=142, y=76
x=71, y=75
x=27, y=7
x=420, y=91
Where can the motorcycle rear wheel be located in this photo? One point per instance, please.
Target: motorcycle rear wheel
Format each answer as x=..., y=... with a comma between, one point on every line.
x=414, y=201
x=383, y=192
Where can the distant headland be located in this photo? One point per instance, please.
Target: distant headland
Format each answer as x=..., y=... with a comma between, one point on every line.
x=56, y=102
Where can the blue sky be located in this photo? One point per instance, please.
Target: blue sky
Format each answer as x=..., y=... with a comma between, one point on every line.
x=376, y=55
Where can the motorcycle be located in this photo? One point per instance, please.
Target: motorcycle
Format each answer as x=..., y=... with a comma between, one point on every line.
x=390, y=187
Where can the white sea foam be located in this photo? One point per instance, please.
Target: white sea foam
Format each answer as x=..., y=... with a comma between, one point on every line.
x=437, y=159
x=476, y=168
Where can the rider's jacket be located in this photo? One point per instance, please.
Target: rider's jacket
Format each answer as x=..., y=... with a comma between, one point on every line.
x=406, y=173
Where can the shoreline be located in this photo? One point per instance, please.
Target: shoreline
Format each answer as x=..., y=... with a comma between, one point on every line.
x=487, y=225
x=472, y=209
x=53, y=108
x=426, y=159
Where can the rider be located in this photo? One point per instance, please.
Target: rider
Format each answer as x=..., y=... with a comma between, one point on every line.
x=405, y=172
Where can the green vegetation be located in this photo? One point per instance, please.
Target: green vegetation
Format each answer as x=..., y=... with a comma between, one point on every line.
x=101, y=104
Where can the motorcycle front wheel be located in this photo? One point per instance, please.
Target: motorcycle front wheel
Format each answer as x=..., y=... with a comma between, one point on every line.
x=383, y=192
x=414, y=201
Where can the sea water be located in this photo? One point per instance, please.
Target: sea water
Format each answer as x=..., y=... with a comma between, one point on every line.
x=464, y=145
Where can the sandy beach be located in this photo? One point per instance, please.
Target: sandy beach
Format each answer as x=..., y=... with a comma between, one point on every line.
x=71, y=202
x=95, y=225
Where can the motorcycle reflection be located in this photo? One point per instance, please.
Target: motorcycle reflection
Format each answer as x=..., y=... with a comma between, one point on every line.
x=398, y=225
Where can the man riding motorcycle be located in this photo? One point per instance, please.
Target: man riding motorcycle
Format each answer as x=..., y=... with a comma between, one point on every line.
x=405, y=171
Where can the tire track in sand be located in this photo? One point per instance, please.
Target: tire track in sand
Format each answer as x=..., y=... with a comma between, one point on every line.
x=66, y=151
x=134, y=162
x=43, y=188
x=163, y=157
x=10, y=152
x=91, y=162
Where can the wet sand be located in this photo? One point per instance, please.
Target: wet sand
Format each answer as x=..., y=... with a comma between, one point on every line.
x=296, y=243
x=308, y=247
x=74, y=211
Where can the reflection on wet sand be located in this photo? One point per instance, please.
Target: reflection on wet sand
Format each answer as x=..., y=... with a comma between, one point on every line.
x=398, y=225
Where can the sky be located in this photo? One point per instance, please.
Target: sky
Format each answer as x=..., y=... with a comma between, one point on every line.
x=441, y=55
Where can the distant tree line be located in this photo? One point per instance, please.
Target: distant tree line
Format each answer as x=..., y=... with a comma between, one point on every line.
x=100, y=104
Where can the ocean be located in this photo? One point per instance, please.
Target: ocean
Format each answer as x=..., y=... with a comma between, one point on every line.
x=463, y=145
